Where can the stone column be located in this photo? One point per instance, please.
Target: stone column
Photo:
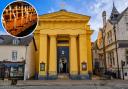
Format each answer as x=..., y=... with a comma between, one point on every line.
x=89, y=53
x=43, y=53
x=73, y=55
x=53, y=56
x=83, y=52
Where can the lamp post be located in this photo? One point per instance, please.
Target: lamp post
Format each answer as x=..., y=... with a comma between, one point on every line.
x=122, y=65
x=114, y=28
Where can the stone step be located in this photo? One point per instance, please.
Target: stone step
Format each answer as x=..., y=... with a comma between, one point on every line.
x=63, y=76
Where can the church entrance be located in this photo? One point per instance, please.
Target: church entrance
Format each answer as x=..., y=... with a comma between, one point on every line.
x=62, y=59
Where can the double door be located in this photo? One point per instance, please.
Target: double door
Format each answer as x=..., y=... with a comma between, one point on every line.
x=63, y=59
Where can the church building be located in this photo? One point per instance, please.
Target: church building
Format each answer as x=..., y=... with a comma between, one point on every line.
x=63, y=42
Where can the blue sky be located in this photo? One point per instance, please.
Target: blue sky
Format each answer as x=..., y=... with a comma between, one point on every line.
x=93, y=8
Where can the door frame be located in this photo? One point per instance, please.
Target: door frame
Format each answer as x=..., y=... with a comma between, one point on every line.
x=68, y=62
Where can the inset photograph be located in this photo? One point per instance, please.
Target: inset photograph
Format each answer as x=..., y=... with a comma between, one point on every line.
x=19, y=19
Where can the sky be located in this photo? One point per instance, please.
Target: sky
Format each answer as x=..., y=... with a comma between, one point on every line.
x=93, y=8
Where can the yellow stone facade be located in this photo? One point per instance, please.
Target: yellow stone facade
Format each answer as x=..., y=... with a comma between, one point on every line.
x=63, y=29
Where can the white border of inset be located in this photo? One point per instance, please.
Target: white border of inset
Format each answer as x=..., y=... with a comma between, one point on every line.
x=29, y=4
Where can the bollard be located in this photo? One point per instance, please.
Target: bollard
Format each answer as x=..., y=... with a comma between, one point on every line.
x=14, y=82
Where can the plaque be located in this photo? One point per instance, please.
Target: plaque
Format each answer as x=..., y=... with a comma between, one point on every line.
x=84, y=66
x=42, y=66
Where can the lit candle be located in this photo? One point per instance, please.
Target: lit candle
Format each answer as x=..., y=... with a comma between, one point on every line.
x=10, y=9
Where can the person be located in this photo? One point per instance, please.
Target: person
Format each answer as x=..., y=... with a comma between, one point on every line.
x=6, y=73
x=60, y=66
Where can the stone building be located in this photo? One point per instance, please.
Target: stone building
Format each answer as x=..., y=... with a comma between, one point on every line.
x=113, y=42
x=63, y=45
x=17, y=57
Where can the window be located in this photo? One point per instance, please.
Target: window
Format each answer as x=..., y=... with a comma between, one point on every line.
x=127, y=26
x=1, y=40
x=13, y=72
x=20, y=71
x=113, y=58
x=14, y=55
x=16, y=41
x=109, y=37
x=127, y=56
x=110, y=58
x=16, y=71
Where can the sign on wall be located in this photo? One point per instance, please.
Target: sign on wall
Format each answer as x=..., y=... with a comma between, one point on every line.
x=84, y=66
x=42, y=66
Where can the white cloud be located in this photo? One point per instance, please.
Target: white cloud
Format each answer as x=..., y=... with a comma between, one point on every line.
x=93, y=9
x=3, y=33
x=106, y=5
x=51, y=10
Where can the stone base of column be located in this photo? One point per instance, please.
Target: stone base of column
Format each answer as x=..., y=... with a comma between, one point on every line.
x=80, y=77
x=52, y=77
x=41, y=77
x=47, y=77
x=36, y=76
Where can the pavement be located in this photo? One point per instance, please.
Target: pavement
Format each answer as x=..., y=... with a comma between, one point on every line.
x=66, y=84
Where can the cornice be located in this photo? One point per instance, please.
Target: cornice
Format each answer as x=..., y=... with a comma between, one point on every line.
x=64, y=20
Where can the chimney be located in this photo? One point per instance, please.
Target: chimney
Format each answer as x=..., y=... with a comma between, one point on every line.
x=104, y=18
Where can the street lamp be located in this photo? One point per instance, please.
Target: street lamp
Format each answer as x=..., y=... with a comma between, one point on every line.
x=122, y=65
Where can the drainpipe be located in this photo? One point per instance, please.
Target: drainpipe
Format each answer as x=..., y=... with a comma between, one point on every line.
x=104, y=49
x=25, y=70
x=116, y=50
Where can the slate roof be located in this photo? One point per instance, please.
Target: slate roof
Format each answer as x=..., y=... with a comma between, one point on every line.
x=114, y=14
x=8, y=40
x=120, y=16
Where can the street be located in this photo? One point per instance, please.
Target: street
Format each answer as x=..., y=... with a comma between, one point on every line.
x=64, y=87
x=69, y=84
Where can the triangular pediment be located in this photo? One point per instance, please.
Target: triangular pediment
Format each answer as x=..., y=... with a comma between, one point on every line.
x=63, y=14
x=62, y=17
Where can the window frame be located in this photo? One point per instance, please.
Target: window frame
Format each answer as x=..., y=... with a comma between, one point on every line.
x=126, y=53
x=14, y=55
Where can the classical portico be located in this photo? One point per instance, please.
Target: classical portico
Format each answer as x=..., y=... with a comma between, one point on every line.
x=64, y=44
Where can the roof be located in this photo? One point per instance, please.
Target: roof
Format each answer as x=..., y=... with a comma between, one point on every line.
x=120, y=16
x=114, y=14
x=64, y=14
x=8, y=40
